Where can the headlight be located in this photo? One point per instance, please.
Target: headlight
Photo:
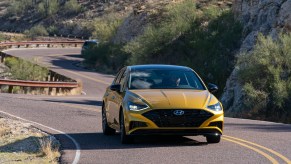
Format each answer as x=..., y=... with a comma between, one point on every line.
x=137, y=107
x=216, y=107
x=135, y=103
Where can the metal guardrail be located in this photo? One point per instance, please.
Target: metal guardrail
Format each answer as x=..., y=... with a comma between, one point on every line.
x=41, y=84
x=57, y=86
x=48, y=36
x=6, y=45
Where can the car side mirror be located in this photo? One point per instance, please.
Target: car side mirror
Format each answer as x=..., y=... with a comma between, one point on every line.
x=115, y=87
x=212, y=88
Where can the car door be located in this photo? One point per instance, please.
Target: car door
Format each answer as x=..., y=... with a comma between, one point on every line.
x=111, y=101
x=119, y=96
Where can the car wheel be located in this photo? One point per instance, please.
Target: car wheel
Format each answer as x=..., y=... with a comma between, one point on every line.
x=213, y=138
x=105, y=127
x=125, y=139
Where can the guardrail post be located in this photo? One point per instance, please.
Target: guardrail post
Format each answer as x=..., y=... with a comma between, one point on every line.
x=2, y=57
x=50, y=91
x=58, y=90
x=10, y=89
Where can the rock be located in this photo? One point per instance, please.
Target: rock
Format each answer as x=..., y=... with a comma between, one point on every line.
x=4, y=71
x=258, y=16
x=285, y=16
x=130, y=28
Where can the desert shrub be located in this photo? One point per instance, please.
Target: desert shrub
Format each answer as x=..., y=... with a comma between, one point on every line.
x=210, y=46
x=35, y=31
x=49, y=148
x=48, y=8
x=105, y=27
x=2, y=37
x=268, y=69
x=105, y=57
x=72, y=7
x=24, y=70
x=52, y=30
x=41, y=9
x=177, y=21
x=204, y=39
x=18, y=7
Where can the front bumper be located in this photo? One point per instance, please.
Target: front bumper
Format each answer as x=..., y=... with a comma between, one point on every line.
x=179, y=132
x=140, y=123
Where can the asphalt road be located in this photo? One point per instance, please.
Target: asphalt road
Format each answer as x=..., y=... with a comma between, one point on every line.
x=76, y=122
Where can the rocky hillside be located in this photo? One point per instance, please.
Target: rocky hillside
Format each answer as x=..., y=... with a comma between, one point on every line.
x=67, y=17
x=268, y=17
x=209, y=36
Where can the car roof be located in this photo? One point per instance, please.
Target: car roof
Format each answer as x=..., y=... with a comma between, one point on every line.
x=158, y=66
x=91, y=41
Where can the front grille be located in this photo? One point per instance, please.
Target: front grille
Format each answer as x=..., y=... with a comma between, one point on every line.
x=167, y=118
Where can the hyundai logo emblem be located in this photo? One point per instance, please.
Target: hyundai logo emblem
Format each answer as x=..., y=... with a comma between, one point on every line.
x=178, y=112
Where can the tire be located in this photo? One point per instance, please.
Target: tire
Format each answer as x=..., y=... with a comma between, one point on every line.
x=125, y=139
x=105, y=127
x=213, y=138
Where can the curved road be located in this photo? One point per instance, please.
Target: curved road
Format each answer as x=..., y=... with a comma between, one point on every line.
x=78, y=119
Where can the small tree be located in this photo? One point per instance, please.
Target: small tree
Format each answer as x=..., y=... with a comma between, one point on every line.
x=72, y=7
x=35, y=31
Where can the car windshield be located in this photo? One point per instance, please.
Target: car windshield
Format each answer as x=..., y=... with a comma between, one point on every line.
x=164, y=79
x=89, y=44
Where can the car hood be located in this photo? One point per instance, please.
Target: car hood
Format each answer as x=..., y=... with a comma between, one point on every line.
x=174, y=98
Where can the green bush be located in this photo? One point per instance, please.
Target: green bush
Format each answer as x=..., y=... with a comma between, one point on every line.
x=18, y=7
x=177, y=21
x=72, y=7
x=35, y=31
x=105, y=27
x=204, y=39
x=24, y=70
x=105, y=57
x=2, y=37
x=52, y=30
x=48, y=8
x=41, y=9
x=268, y=69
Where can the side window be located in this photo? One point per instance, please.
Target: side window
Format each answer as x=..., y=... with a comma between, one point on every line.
x=123, y=81
x=118, y=76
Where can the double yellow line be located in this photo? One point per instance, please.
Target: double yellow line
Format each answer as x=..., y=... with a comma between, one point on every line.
x=250, y=145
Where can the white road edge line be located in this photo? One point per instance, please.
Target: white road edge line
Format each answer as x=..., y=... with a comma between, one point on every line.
x=78, y=149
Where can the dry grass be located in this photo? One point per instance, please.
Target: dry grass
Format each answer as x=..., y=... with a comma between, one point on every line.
x=4, y=130
x=25, y=144
x=49, y=149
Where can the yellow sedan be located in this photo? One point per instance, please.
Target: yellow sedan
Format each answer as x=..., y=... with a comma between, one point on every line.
x=161, y=100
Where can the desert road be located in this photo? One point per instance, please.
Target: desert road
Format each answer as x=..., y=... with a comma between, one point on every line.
x=76, y=122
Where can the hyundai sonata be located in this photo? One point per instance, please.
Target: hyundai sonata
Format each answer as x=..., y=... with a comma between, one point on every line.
x=161, y=100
